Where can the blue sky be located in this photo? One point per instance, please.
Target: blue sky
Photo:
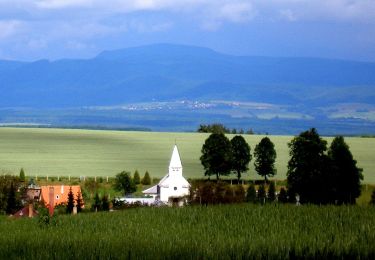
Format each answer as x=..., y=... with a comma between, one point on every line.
x=55, y=29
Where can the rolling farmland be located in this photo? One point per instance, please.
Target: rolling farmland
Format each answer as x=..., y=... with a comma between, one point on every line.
x=64, y=152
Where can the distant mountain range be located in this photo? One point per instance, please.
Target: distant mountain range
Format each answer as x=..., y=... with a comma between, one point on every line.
x=177, y=87
x=166, y=72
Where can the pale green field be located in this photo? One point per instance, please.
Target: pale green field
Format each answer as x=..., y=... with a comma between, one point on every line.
x=62, y=152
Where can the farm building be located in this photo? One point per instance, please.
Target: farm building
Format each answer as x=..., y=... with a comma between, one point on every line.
x=173, y=187
x=58, y=194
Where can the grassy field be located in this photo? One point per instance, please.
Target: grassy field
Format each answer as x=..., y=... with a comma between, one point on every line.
x=64, y=152
x=216, y=232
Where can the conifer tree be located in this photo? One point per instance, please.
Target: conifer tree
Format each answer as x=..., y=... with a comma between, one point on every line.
x=22, y=175
x=271, y=195
x=146, y=180
x=79, y=202
x=251, y=194
x=262, y=194
x=96, y=206
x=136, y=178
x=70, y=205
x=372, y=202
x=283, y=196
x=11, y=200
x=105, y=203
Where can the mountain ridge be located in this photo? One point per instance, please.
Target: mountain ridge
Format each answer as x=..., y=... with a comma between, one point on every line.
x=168, y=72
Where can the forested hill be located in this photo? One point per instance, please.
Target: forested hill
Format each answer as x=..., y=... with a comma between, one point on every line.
x=167, y=72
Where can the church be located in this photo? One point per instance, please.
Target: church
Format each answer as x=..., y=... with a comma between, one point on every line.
x=173, y=187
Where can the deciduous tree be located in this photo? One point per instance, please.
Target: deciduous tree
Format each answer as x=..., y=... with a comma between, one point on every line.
x=347, y=176
x=123, y=182
x=309, y=168
x=241, y=155
x=265, y=156
x=216, y=155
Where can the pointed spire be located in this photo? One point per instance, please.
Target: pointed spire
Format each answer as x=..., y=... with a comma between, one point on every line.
x=175, y=159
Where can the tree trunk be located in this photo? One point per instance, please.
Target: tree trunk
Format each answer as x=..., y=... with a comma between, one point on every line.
x=238, y=177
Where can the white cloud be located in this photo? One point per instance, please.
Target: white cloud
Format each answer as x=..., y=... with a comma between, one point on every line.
x=9, y=28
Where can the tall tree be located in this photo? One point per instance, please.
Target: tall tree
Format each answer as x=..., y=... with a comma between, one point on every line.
x=70, y=205
x=271, y=195
x=105, y=203
x=216, y=155
x=97, y=205
x=241, y=155
x=79, y=202
x=262, y=194
x=11, y=199
x=265, y=156
x=347, y=176
x=136, y=178
x=251, y=194
x=123, y=182
x=22, y=175
x=372, y=201
x=146, y=180
x=308, y=169
x=283, y=196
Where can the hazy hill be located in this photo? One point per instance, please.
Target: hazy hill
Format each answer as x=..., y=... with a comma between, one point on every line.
x=172, y=72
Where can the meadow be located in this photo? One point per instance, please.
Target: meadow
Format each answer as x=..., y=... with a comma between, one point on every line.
x=64, y=152
x=215, y=232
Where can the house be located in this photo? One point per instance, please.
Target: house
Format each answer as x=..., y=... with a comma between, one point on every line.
x=58, y=194
x=33, y=192
x=173, y=188
x=27, y=211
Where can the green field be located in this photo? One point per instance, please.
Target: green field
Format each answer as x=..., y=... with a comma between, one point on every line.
x=216, y=232
x=64, y=152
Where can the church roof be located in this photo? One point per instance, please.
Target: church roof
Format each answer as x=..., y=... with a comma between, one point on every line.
x=175, y=159
x=152, y=190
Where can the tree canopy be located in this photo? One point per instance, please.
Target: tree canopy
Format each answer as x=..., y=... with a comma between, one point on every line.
x=216, y=155
x=347, y=176
x=241, y=155
x=265, y=156
x=124, y=182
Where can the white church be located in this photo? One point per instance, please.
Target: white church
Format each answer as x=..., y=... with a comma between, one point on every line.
x=173, y=188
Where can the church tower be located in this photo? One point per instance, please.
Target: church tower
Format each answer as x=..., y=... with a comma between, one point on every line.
x=175, y=166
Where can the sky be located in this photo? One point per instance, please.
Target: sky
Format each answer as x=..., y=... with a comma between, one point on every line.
x=58, y=29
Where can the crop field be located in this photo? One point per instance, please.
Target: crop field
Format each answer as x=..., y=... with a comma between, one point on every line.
x=216, y=232
x=64, y=152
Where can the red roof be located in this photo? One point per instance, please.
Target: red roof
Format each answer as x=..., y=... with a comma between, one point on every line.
x=60, y=193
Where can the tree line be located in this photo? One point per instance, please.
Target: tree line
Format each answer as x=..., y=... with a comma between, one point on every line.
x=220, y=128
x=316, y=173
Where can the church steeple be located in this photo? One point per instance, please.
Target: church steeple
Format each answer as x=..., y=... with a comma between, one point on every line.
x=175, y=166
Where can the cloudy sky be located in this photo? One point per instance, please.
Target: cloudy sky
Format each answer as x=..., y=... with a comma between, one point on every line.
x=55, y=29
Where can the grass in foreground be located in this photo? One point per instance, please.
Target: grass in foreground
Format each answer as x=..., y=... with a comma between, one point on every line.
x=215, y=232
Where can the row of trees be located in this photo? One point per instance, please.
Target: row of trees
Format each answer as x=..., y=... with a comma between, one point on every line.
x=125, y=183
x=316, y=174
x=221, y=156
x=322, y=175
x=221, y=129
